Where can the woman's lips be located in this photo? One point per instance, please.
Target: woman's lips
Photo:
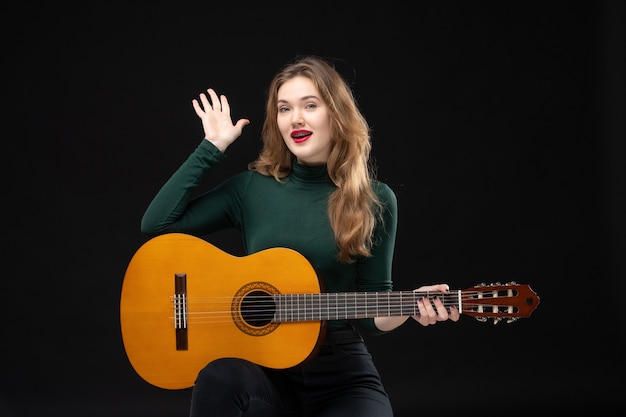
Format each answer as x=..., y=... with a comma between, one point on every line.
x=300, y=136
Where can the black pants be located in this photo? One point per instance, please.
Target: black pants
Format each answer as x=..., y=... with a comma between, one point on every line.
x=342, y=381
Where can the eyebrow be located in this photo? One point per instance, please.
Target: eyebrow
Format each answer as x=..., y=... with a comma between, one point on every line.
x=301, y=99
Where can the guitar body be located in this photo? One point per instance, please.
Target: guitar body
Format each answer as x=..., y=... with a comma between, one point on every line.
x=213, y=324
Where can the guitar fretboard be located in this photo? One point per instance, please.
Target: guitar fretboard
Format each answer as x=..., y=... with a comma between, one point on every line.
x=352, y=305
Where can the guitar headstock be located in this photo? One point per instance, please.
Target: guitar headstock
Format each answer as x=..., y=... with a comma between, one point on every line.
x=497, y=301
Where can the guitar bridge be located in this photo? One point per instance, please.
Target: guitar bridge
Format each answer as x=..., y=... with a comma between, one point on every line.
x=180, y=311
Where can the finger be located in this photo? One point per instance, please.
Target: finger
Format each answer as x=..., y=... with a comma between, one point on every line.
x=215, y=101
x=205, y=102
x=444, y=288
x=224, y=104
x=421, y=318
x=197, y=108
x=442, y=312
x=432, y=288
x=433, y=316
x=429, y=316
x=241, y=123
x=455, y=314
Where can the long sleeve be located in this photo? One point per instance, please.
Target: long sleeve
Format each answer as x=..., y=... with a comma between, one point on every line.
x=375, y=273
x=171, y=210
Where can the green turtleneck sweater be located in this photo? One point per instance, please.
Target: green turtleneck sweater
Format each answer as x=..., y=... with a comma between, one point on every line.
x=268, y=213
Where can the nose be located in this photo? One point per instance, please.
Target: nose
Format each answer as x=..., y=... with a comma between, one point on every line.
x=296, y=118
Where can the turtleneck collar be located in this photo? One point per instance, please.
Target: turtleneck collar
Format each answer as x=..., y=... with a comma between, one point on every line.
x=311, y=174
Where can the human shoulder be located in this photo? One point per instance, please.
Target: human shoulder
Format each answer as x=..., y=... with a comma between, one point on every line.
x=384, y=192
x=249, y=177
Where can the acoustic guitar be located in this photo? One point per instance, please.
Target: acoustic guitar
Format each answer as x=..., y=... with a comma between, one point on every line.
x=185, y=302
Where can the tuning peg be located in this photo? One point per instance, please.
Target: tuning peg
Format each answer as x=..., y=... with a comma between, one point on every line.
x=496, y=320
x=512, y=319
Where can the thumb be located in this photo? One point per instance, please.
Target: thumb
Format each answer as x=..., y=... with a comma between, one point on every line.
x=241, y=123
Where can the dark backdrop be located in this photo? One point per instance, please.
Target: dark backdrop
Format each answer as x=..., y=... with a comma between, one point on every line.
x=500, y=125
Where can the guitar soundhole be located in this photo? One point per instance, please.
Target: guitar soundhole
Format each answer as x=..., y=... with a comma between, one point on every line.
x=258, y=308
x=253, y=308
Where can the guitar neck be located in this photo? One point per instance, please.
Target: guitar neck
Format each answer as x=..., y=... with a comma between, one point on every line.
x=354, y=305
x=509, y=301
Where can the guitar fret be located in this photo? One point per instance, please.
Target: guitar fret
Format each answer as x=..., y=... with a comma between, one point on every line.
x=308, y=305
x=317, y=307
x=365, y=304
x=376, y=304
x=396, y=309
x=327, y=307
x=351, y=305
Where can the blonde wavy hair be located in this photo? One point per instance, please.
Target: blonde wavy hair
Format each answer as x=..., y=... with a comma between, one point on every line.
x=353, y=207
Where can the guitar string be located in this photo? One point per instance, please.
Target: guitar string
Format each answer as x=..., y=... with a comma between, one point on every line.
x=369, y=295
x=397, y=304
x=342, y=298
x=227, y=317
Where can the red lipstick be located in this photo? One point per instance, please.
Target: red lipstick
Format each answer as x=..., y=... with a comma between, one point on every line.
x=300, y=136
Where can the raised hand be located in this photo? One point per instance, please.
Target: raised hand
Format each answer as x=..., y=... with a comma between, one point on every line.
x=216, y=121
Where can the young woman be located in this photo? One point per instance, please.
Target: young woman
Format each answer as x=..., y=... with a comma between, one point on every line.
x=311, y=189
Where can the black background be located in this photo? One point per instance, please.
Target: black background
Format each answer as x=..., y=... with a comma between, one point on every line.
x=500, y=125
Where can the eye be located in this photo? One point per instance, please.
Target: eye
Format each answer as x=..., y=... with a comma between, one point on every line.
x=311, y=106
x=283, y=109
